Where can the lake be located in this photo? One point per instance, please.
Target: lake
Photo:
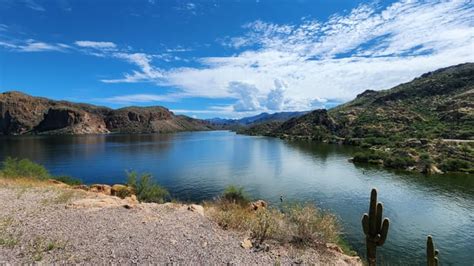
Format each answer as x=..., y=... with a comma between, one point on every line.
x=199, y=165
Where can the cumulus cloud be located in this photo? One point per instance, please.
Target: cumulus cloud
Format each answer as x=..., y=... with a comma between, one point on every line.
x=276, y=98
x=247, y=95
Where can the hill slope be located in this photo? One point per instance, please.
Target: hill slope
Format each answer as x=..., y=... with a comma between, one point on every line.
x=435, y=106
x=24, y=114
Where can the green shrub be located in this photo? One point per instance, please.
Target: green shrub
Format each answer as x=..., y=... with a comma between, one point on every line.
x=399, y=162
x=236, y=195
x=453, y=165
x=369, y=156
x=145, y=189
x=15, y=168
x=68, y=180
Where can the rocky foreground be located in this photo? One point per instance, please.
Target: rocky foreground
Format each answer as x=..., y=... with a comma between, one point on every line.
x=54, y=223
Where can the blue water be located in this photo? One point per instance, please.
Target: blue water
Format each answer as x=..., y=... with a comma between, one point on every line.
x=199, y=165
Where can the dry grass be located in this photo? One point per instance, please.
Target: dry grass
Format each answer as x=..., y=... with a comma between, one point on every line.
x=6, y=239
x=298, y=225
x=40, y=245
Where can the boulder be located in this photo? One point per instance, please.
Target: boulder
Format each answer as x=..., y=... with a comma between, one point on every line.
x=121, y=191
x=101, y=188
x=196, y=208
x=259, y=204
x=82, y=187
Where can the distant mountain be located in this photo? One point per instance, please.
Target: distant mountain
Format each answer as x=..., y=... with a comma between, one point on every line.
x=257, y=119
x=422, y=124
x=24, y=114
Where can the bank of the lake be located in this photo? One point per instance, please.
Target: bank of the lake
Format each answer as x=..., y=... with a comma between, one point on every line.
x=197, y=166
x=46, y=222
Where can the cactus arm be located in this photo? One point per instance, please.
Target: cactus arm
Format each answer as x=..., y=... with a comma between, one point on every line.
x=384, y=231
x=431, y=252
x=378, y=217
x=365, y=223
x=373, y=213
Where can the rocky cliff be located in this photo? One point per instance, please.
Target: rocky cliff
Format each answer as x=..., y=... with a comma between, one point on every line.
x=24, y=114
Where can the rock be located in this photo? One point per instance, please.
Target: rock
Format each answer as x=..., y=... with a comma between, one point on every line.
x=101, y=188
x=259, y=204
x=130, y=202
x=58, y=183
x=121, y=191
x=196, y=208
x=83, y=187
x=105, y=202
x=334, y=247
x=432, y=169
x=247, y=244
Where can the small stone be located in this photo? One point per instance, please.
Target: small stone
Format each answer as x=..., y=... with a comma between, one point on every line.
x=247, y=244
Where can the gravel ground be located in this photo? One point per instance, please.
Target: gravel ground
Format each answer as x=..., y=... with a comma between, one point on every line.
x=45, y=223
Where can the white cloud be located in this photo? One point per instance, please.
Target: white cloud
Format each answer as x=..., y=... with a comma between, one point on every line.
x=368, y=48
x=31, y=45
x=140, y=98
x=276, y=97
x=309, y=63
x=247, y=95
x=96, y=45
x=33, y=5
x=147, y=74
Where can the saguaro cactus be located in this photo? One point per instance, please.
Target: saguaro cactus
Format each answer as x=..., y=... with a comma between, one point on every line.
x=431, y=252
x=374, y=229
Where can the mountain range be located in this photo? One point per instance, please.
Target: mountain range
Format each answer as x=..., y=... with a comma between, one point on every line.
x=254, y=120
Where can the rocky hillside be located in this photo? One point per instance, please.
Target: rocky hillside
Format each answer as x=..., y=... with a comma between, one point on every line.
x=437, y=105
x=24, y=114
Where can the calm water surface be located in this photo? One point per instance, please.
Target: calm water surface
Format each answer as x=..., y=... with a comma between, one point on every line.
x=198, y=165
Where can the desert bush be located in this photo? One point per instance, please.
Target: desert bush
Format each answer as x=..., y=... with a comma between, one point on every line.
x=309, y=225
x=236, y=195
x=301, y=225
x=230, y=215
x=266, y=223
x=146, y=189
x=15, y=168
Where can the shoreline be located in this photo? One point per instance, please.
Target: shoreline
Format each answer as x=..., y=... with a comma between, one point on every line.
x=36, y=227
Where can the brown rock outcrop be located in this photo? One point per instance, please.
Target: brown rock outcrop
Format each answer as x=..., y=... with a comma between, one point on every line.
x=24, y=114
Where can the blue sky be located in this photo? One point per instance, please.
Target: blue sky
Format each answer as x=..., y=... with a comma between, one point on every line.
x=226, y=58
